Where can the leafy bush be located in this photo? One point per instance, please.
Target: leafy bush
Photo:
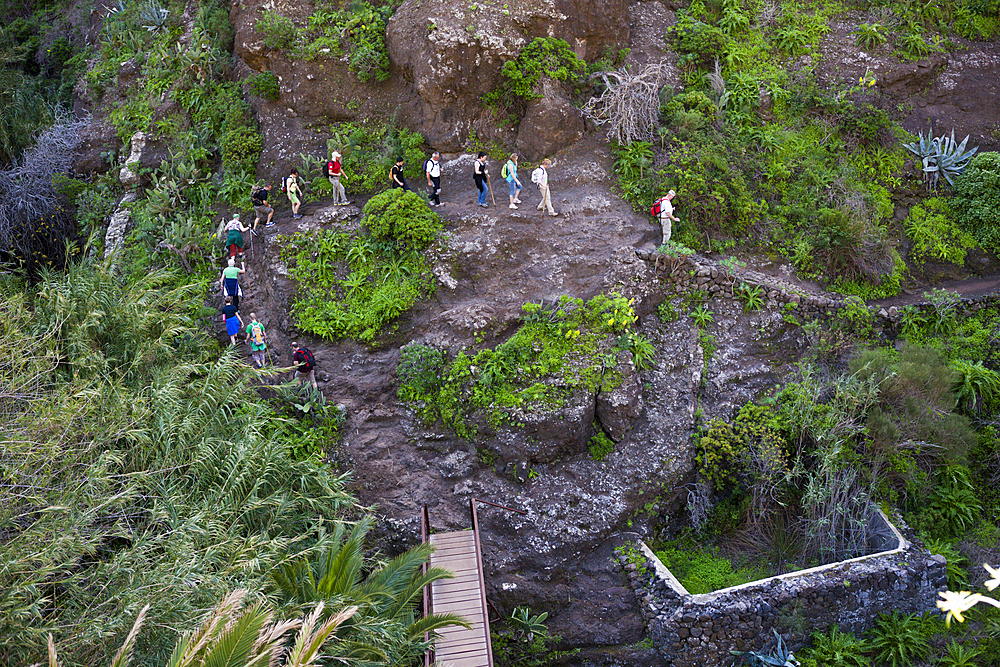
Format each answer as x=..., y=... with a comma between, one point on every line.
x=701, y=570
x=718, y=455
x=870, y=35
x=419, y=372
x=556, y=351
x=358, y=26
x=162, y=450
x=976, y=200
x=353, y=287
x=600, y=445
x=899, y=640
x=277, y=31
x=265, y=85
x=402, y=217
x=544, y=56
x=934, y=234
x=837, y=649
x=371, y=149
x=952, y=507
x=958, y=578
x=699, y=44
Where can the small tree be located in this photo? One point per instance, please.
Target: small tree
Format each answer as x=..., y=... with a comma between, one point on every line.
x=629, y=104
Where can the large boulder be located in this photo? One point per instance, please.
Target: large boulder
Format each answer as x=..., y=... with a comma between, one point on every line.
x=550, y=124
x=619, y=408
x=544, y=436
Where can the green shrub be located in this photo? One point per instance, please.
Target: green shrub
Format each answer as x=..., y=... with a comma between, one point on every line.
x=976, y=200
x=718, y=455
x=265, y=85
x=240, y=148
x=600, y=445
x=698, y=43
x=952, y=507
x=958, y=578
x=958, y=655
x=870, y=35
x=701, y=570
x=837, y=649
x=899, y=640
x=666, y=312
x=402, y=217
x=934, y=234
x=419, y=372
x=360, y=27
x=544, y=56
x=353, y=287
x=277, y=31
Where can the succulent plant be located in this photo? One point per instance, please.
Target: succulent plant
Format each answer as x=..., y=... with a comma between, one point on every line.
x=941, y=156
x=153, y=17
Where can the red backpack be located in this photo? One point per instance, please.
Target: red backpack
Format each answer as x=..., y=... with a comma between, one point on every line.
x=309, y=360
x=655, y=210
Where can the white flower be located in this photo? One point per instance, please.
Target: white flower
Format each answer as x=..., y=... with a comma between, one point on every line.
x=955, y=604
x=995, y=581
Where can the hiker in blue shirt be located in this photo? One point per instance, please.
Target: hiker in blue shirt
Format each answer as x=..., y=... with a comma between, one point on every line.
x=509, y=172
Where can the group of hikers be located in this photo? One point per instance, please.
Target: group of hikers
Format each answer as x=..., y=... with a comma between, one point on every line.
x=256, y=333
x=229, y=283
x=481, y=177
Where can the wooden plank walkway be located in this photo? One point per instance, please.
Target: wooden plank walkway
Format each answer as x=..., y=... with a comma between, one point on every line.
x=462, y=595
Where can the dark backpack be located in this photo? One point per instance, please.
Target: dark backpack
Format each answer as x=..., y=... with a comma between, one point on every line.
x=310, y=360
x=284, y=184
x=427, y=165
x=328, y=168
x=258, y=196
x=655, y=210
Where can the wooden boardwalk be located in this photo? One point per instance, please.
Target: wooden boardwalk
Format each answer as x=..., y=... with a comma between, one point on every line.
x=463, y=595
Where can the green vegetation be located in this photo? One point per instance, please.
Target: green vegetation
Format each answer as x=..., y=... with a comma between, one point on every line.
x=543, y=56
x=703, y=570
x=265, y=85
x=524, y=640
x=899, y=640
x=600, y=445
x=836, y=649
x=977, y=199
x=557, y=350
x=352, y=286
x=162, y=449
x=355, y=29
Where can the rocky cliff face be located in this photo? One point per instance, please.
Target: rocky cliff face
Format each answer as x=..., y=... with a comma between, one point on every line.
x=445, y=55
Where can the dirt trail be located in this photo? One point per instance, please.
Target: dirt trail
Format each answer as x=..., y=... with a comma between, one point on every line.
x=968, y=288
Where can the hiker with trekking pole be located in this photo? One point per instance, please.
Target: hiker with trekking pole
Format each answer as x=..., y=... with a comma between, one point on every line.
x=481, y=177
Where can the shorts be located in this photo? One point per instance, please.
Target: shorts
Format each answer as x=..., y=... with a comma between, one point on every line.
x=232, y=326
x=263, y=211
x=308, y=375
x=293, y=197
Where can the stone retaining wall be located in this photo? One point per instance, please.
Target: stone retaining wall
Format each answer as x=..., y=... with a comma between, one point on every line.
x=696, y=273
x=697, y=630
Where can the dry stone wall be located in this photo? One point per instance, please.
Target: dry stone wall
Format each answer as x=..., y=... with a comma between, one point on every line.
x=697, y=630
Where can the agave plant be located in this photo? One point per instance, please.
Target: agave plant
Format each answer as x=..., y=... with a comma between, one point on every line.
x=780, y=657
x=153, y=17
x=941, y=156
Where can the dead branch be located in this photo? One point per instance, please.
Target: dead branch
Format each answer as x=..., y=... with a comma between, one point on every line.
x=630, y=103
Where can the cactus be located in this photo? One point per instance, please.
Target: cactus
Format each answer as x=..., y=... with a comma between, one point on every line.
x=941, y=156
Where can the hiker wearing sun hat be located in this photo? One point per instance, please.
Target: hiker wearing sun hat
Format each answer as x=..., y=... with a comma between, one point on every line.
x=334, y=170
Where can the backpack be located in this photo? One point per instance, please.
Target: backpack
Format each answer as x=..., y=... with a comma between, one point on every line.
x=428, y=165
x=656, y=208
x=258, y=333
x=505, y=172
x=257, y=196
x=537, y=175
x=328, y=168
x=284, y=184
x=310, y=360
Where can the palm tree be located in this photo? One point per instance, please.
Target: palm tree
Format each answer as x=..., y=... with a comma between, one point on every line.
x=385, y=629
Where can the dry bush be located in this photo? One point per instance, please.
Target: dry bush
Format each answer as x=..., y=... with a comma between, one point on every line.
x=630, y=103
x=36, y=221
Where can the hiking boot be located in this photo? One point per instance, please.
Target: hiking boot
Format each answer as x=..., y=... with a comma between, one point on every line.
x=297, y=216
x=270, y=224
x=254, y=232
